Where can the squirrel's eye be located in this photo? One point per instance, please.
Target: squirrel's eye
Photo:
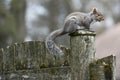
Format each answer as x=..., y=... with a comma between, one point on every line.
x=98, y=15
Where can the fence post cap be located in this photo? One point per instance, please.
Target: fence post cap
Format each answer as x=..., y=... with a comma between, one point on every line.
x=83, y=32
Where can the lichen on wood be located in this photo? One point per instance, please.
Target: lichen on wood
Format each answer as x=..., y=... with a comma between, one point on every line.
x=109, y=63
x=82, y=53
x=96, y=71
x=103, y=69
x=32, y=61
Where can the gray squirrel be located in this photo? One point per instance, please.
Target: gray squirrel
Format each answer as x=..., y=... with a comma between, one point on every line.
x=73, y=22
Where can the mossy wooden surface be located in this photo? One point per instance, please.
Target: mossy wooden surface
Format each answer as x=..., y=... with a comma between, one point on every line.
x=23, y=57
x=103, y=69
x=82, y=54
x=32, y=61
x=55, y=73
x=109, y=63
x=1, y=60
x=97, y=72
x=34, y=55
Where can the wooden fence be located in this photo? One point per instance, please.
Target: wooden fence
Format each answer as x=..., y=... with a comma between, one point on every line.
x=32, y=61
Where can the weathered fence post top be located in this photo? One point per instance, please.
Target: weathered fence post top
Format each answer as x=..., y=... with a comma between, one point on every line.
x=82, y=53
x=82, y=32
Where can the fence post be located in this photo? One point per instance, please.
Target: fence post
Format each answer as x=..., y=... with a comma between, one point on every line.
x=82, y=54
x=107, y=71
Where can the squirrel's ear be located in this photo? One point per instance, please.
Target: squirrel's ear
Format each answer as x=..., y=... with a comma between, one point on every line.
x=94, y=10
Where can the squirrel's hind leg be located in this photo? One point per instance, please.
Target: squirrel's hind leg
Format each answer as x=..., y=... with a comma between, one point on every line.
x=70, y=26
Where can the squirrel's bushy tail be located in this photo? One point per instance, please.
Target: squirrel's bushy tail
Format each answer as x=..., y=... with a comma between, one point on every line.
x=50, y=45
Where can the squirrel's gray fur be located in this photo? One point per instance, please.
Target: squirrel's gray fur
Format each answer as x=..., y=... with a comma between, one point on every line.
x=73, y=22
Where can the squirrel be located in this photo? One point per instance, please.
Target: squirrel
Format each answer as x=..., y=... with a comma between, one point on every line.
x=74, y=21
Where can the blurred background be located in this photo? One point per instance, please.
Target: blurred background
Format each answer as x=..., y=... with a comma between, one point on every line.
x=28, y=20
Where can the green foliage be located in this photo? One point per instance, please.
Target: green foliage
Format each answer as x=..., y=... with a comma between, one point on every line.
x=7, y=23
x=12, y=22
x=7, y=26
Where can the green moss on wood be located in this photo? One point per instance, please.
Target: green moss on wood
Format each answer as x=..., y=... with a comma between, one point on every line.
x=27, y=56
x=105, y=68
x=82, y=53
x=43, y=66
